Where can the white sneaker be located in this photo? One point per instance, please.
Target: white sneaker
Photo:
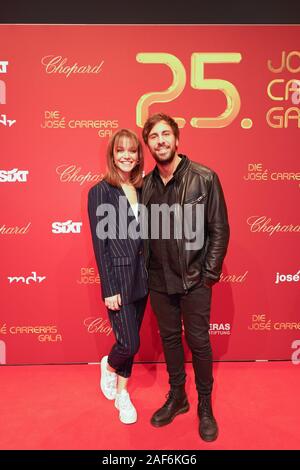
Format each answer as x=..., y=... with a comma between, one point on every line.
x=108, y=382
x=127, y=412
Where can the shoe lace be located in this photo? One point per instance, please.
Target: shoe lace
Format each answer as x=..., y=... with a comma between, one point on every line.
x=111, y=381
x=124, y=401
x=169, y=396
x=205, y=407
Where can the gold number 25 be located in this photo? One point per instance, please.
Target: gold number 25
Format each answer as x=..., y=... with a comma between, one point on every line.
x=198, y=59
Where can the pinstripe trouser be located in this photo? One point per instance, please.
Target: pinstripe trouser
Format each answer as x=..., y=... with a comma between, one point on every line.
x=126, y=324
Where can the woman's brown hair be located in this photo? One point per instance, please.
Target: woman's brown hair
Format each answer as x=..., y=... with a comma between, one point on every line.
x=112, y=176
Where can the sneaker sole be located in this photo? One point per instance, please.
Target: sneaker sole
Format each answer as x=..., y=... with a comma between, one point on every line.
x=185, y=409
x=124, y=421
x=128, y=422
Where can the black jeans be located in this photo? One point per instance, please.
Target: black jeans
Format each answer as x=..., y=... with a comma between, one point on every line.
x=126, y=324
x=194, y=309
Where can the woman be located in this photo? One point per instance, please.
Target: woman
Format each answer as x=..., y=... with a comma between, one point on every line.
x=113, y=214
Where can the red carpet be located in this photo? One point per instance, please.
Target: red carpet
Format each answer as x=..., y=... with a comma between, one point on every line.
x=61, y=407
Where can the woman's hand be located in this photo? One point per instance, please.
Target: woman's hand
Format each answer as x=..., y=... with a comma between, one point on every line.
x=113, y=302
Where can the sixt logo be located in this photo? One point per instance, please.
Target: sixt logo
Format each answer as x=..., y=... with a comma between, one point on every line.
x=66, y=227
x=12, y=176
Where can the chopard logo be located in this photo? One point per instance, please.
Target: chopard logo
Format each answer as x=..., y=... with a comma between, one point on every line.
x=58, y=64
x=234, y=278
x=262, y=224
x=16, y=230
x=97, y=325
x=71, y=174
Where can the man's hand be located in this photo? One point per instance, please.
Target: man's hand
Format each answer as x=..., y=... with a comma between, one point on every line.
x=113, y=302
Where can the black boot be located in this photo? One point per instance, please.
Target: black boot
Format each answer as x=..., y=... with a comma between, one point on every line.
x=176, y=404
x=208, y=428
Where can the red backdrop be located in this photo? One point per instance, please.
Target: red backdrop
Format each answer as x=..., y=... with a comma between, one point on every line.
x=63, y=91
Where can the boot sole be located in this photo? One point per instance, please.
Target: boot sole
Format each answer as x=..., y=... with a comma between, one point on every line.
x=185, y=409
x=209, y=439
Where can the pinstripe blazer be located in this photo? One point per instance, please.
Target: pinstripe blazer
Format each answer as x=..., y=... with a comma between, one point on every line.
x=120, y=260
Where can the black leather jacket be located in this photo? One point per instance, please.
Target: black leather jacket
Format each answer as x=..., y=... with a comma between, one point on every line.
x=198, y=184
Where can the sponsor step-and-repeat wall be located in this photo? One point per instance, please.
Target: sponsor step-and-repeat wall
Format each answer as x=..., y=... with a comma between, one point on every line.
x=64, y=90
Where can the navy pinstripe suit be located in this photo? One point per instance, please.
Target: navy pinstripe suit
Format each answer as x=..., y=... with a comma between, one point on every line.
x=121, y=268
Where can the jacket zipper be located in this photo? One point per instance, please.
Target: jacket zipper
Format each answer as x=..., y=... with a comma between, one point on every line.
x=178, y=245
x=197, y=200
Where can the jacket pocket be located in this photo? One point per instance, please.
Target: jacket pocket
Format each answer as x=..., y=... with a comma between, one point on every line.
x=121, y=261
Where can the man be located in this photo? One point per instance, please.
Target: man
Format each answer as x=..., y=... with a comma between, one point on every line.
x=181, y=274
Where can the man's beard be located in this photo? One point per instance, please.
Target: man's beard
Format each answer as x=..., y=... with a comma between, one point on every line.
x=165, y=161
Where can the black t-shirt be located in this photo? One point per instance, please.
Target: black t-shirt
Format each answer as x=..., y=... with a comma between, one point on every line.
x=164, y=267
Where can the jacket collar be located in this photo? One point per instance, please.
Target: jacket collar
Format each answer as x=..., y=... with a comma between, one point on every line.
x=180, y=170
